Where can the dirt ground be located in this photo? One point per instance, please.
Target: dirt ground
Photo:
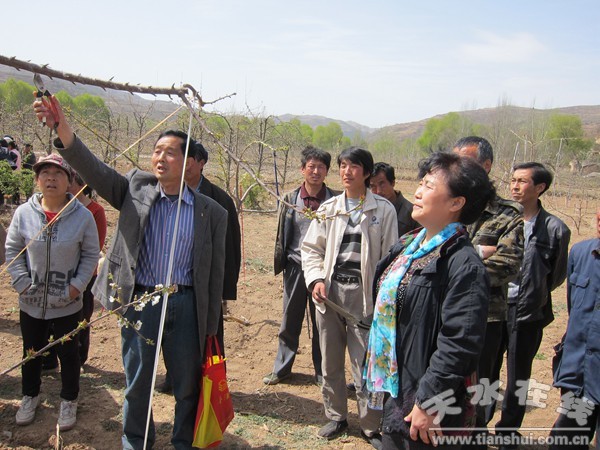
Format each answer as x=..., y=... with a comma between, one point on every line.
x=285, y=416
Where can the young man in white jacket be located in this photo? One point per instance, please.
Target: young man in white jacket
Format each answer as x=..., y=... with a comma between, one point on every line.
x=339, y=255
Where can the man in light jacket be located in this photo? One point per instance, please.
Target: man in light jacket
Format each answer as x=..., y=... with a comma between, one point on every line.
x=339, y=255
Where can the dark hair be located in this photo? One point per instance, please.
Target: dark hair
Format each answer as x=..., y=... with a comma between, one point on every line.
x=484, y=148
x=87, y=191
x=197, y=151
x=539, y=173
x=360, y=156
x=3, y=143
x=387, y=170
x=466, y=178
x=176, y=133
x=13, y=144
x=311, y=152
x=28, y=146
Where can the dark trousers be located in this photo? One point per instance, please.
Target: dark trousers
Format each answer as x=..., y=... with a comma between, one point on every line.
x=87, y=311
x=490, y=364
x=168, y=385
x=524, y=341
x=295, y=298
x=182, y=354
x=221, y=333
x=592, y=424
x=489, y=367
x=35, y=336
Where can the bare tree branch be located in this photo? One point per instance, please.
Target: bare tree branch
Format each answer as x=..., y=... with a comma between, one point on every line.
x=51, y=73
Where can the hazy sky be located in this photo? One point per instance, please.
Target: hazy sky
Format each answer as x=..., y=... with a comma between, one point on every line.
x=374, y=62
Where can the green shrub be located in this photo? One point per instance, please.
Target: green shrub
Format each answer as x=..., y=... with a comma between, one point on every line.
x=254, y=196
x=16, y=182
x=27, y=181
x=9, y=182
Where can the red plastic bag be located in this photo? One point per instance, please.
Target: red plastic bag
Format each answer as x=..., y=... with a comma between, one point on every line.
x=215, y=408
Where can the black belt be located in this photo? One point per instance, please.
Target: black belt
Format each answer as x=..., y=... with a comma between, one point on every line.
x=178, y=288
x=345, y=278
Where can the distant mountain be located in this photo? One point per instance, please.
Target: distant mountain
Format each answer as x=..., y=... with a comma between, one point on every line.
x=590, y=119
x=349, y=128
x=123, y=102
x=589, y=114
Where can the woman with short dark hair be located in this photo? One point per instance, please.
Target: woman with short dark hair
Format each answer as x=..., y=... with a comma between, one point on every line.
x=431, y=300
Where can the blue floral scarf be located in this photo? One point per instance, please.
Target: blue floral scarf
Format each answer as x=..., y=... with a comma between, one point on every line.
x=381, y=367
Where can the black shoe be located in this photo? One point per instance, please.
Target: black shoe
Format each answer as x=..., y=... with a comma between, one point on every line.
x=374, y=439
x=333, y=429
x=272, y=378
x=165, y=388
x=351, y=387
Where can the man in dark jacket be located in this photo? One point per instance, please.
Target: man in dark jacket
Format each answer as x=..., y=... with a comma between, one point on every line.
x=498, y=238
x=544, y=268
x=195, y=179
x=382, y=183
x=29, y=158
x=291, y=229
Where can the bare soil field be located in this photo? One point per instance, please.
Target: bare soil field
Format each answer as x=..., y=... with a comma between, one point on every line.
x=285, y=416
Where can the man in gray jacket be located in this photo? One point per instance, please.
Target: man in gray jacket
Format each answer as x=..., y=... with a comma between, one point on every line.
x=497, y=235
x=137, y=260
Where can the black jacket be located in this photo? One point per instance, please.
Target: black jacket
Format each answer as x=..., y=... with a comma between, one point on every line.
x=544, y=268
x=440, y=330
x=285, y=228
x=233, y=240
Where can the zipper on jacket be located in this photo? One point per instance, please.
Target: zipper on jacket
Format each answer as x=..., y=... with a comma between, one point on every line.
x=48, y=244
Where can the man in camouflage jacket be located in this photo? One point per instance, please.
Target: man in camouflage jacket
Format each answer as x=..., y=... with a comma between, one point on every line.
x=498, y=238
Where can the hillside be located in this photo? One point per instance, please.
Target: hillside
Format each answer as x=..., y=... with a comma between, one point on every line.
x=349, y=128
x=122, y=102
x=589, y=114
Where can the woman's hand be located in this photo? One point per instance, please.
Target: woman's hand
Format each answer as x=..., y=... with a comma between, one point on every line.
x=73, y=292
x=421, y=425
x=25, y=290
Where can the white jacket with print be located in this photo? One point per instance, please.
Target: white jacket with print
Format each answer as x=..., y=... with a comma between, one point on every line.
x=321, y=245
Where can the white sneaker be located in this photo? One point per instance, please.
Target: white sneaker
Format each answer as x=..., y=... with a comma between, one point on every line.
x=68, y=415
x=26, y=412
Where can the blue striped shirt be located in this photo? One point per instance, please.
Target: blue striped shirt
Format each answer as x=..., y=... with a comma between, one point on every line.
x=153, y=260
